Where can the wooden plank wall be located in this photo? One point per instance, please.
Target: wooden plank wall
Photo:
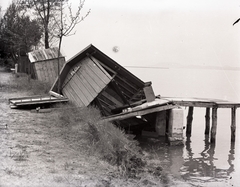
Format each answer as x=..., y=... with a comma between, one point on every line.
x=47, y=71
x=84, y=82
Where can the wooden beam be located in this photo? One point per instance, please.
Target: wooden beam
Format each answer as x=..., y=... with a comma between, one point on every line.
x=112, y=99
x=200, y=102
x=207, y=121
x=189, y=120
x=132, y=86
x=119, y=91
x=233, y=124
x=138, y=113
x=137, y=94
x=100, y=106
x=214, y=125
x=195, y=103
x=227, y=105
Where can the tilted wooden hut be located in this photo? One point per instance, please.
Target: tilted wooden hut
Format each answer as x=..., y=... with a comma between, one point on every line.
x=45, y=64
x=91, y=77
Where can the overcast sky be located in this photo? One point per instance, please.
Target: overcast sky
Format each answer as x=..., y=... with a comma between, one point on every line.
x=160, y=32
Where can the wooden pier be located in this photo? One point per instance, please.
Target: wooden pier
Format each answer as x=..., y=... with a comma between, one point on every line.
x=208, y=104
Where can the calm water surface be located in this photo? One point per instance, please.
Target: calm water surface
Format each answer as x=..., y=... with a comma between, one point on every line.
x=198, y=162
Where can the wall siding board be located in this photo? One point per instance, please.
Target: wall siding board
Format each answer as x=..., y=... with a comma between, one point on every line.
x=100, y=73
x=41, y=72
x=38, y=75
x=47, y=70
x=50, y=70
x=83, y=88
x=78, y=94
x=96, y=79
x=53, y=70
x=34, y=71
x=44, y=71
x=86, y=83
x=93, y=67
x=91, y=81
x=80, y=90
x=114, y=100
x=97, y=62
x=71, y=94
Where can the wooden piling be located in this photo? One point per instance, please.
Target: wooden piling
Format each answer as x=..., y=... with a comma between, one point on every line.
x=214, y=125
x=189, y=120
x=233, y=124
x=207, y=121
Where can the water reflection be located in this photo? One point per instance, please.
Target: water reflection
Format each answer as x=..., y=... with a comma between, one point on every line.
x=231, y=158
x=183, y=163
x=176, y=160
x=204, y=165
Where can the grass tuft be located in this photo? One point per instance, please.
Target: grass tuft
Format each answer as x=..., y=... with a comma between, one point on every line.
x=103, y=139
x=22, y=82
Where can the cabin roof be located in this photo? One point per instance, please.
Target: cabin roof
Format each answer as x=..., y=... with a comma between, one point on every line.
x=92, y=51
x=43, y=54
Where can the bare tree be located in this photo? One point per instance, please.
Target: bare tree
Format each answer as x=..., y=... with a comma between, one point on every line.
x=44, y=10
x=66, y=24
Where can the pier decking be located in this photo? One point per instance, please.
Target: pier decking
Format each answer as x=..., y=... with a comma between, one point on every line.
x=208, y=104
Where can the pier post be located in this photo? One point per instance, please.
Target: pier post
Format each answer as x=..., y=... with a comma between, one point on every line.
x=175, y=126
x=189, y=120
x=161, y=123
x=207, y=121
x=233, y=124
x=214, y=125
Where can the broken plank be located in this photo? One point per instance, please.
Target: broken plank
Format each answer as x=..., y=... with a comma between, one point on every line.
x=139, y=113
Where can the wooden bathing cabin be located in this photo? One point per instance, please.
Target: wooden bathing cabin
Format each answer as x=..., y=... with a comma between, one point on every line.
x=45, y=64
x=93, y=78
x=44, y=67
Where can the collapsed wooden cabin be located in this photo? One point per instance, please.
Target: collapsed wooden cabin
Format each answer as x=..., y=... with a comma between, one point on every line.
x=92, y=78
x=45, y=64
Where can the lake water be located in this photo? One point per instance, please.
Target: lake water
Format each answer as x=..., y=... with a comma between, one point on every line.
x=198, y=162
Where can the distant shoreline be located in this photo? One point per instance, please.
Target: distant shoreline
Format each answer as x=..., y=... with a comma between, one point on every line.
x=186, y=67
